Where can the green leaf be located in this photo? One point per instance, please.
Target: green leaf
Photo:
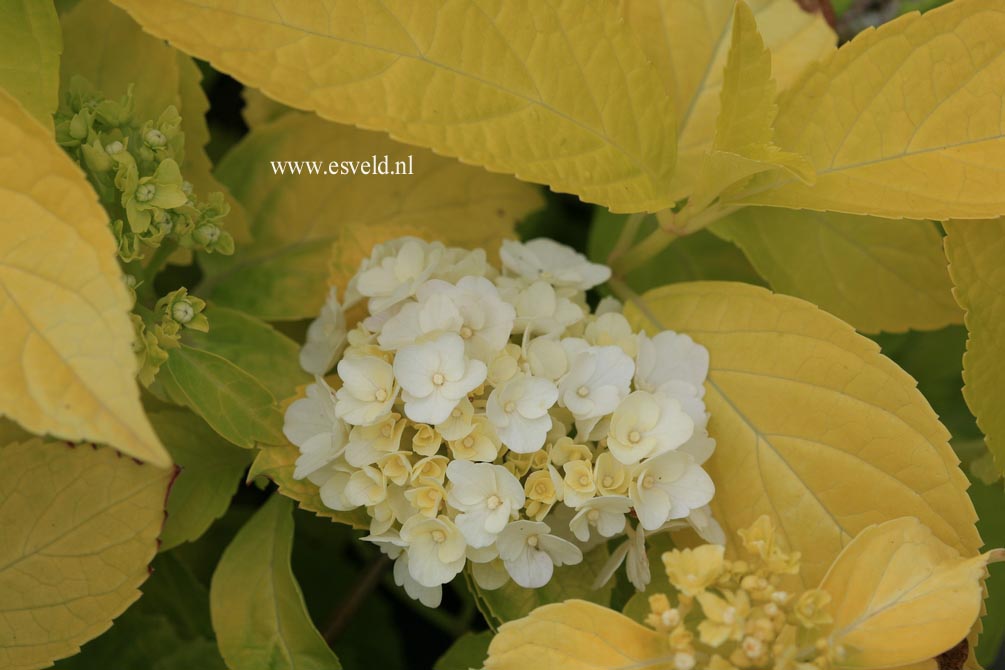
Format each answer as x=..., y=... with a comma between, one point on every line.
x=254, y=346
x=990, y=504
x=469, y=651
x=469, y=80
x=30, y=44
x=877, y=275
x=235, y=404
x=700, y=255
x=511, y=602
x=975, y=250
x=258, y=609
x=211, y=470
x=283, y=274
x=174, y=592
x=80, y=527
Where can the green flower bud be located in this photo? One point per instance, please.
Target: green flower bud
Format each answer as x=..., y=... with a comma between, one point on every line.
x=154, y=138
x=206, y=234
x=114, y=147
x=146, y=192
x=182, y=312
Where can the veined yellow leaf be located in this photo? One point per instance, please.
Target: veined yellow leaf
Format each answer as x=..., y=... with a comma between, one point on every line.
x=814, y=427
x=904, y=121
x=689, y=42
x=899, y=596
x=283, y=274
x=578, y=635
x=556, y=92
x=876, y=274
x=80, y=527
x=258, y=610
x=66, y=358
x=744, y=135
x=30, y=44
x=975, y=250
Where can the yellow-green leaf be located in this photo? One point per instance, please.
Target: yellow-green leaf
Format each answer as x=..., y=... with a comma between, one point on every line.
x=689, y=42
x=260, y=109
x=30, y=44
x=903, y=121
x=80, y=526
x=814, y=427
x=277, y=462
x=66, y=355
x=283, y=274
x=975, y=250
x=211, y=470
x=258, y=609
x=899, y=596
x=555, y=92
x=744, y=136
x=876, y=274
x=236, y=404
x=578, y=635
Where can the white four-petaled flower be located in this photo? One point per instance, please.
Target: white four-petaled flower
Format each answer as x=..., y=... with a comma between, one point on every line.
x=435, y=376
x=518, y=409
x=486, y=495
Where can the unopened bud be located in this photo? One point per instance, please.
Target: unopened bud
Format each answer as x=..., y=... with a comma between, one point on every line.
x=154, y=138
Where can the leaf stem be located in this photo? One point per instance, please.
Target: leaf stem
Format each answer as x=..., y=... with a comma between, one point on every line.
x=644, y=251
x=627, y=236
x=347, y=608
x=157, y=262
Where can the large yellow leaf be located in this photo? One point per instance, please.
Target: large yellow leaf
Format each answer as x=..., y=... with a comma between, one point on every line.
x=556, y=92
x=814, y=427
x=30, y=45
x=689, y=41
x=975, y=250
x=80, y=527
x=744, y=136
x=876, y=274
x=902, y=122
x=899, y=595
x=297, y=218
x=578, y=635
x=66, y=359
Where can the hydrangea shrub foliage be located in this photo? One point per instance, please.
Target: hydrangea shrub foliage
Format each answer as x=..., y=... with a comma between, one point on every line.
x=680, y=343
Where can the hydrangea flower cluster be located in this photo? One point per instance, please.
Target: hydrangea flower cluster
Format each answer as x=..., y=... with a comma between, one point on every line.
x=489, y=418
x=743, y=619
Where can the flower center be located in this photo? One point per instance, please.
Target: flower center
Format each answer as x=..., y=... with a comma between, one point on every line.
x=532, y=541
x=380, y=395
x=438, y=379
x=509, y=407
x=456, y=413
x=593, y=515
x=729, y=615
x=584, y=479
x=634, y=437
x=386, y=430
x=468, y=442
x=583, y=391
x=648, y=482
x=466, y=332
x=145, y=192
x=493, y=502
x=607, y=481
x=439, y=536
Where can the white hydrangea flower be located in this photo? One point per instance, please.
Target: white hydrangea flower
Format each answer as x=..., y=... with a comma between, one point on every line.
x=435, y=376
x=645, y=425
x=578, y=484
x=668, y=357
x=605, y=513
x=326, y=337
x=415, y=321
x=395, y=270
x=547, y=358
x=436, y=549
x=311, y=424
x=430, y=596
x=368, y=390
x=486, y=495
x=552, y=262
x=519, y=411
x=632, y=552
x=669, y=487
x=703, y=523
x=459, y=423
x=480, y=444
x=366, y=487
x=598, y=379
x=530, y=552
x=607, y=305
x=369, y=444
x=333, y=485
x=612, y=329
x=457, y=263
x=539, y=308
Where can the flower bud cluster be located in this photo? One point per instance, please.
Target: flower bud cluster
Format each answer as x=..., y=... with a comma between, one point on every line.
x=727, y=615
x=488, y=417
x=159, y=331
x=134, y=167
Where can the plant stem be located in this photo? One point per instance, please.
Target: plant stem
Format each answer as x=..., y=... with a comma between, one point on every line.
x=628, y=234
x=347, y=608
x=643, y=252
x=156, y=264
